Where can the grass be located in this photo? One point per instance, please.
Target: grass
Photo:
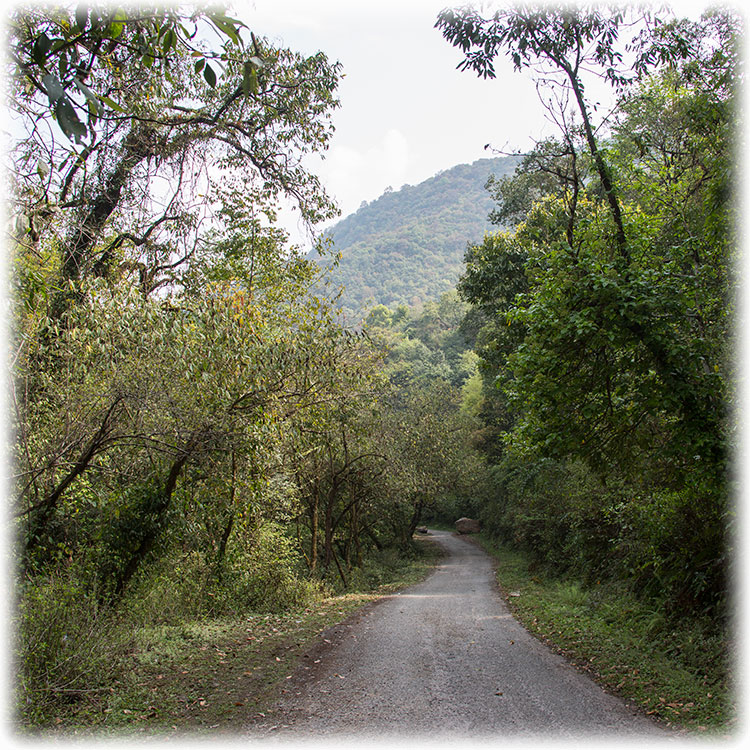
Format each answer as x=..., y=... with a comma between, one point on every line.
x=679, y=674
x=220, y=675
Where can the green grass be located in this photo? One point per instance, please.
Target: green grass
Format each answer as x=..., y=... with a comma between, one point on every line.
x=221, y=675
x=678, y=673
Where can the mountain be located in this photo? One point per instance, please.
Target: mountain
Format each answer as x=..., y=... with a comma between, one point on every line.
x=408, y=245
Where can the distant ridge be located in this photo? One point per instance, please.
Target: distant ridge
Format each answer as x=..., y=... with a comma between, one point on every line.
x=407, y=246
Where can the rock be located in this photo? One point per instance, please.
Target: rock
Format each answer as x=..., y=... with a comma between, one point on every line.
x=467, y=526
x=422, y=530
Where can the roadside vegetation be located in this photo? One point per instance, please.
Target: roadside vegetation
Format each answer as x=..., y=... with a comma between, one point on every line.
x=678, y=671
x=204, y=453
x=152, y=671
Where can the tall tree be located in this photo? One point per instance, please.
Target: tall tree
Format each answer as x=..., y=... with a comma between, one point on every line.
x=128, y=117
x=615, y=352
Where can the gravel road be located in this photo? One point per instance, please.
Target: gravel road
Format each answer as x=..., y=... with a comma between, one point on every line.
x=445, y=659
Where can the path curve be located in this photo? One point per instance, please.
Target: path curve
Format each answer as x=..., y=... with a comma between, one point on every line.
x=445, y=659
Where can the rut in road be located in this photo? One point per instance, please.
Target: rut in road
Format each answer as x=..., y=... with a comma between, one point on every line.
x=445, y=658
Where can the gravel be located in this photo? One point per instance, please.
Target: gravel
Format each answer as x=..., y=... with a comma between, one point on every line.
x=445, y=660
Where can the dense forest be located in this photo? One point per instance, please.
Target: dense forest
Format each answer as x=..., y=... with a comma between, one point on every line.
x=197, y=435
x=407, y=246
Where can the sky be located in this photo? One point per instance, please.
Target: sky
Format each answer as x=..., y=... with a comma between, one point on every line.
x=406, y=113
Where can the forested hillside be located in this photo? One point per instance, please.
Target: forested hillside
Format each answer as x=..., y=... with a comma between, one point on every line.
x=408, y=245
x=200, y=443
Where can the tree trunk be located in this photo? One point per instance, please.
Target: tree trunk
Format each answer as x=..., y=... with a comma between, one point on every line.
x=230, y=523
x=147, y=542
x=314, y=529
x=40, y=514
x=76, y=261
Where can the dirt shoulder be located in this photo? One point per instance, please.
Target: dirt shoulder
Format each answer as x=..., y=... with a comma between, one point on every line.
x=223, y=675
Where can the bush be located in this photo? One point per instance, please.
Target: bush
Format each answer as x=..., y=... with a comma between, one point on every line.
x=673, y=544
x=668, y=544
x=261, y=573
x=67, y=647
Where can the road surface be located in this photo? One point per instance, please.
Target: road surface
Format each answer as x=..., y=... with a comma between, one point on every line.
x=445, y=660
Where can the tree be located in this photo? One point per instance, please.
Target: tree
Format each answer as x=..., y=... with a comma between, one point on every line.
x=147, y=169
x=553, y=40
x=610, y=344
x=143, y=113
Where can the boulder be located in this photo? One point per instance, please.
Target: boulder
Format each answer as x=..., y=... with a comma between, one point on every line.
x=467, y=526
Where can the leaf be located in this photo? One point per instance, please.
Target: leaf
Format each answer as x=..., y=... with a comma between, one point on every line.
x=82, y=16
x=169, y=41
x=228, y=26
x=42, y=169
x=41, y=48
x=117, y=25
x=209, y=75
x=62, y=65
x=53, y=87
x=112, y=104
x=69, y=121
x=249, y=79
x=89, y=94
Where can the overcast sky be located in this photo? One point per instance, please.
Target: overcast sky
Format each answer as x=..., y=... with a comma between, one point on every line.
x=406, y=112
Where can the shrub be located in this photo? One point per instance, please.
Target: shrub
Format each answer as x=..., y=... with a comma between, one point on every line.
x=67, y=647
x=261, y=573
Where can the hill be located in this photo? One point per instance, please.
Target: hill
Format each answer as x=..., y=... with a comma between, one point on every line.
x=407, y=246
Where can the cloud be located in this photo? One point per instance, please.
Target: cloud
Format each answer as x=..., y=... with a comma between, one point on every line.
x=354, y=175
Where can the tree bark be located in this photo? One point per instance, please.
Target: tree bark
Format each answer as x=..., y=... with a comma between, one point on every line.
x=137, y=146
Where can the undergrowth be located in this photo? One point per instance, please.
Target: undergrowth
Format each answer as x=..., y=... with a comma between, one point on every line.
x=677, y=670
x=164, y=661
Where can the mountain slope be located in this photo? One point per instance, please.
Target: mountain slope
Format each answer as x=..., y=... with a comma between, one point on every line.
x=408, y=245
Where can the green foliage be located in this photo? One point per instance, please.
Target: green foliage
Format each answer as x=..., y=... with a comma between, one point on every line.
x=67, y=646
x=603, y=317
x=406, y=246
x=129, y=522
x=263, y=572
x=434, y=471
x=68, y=55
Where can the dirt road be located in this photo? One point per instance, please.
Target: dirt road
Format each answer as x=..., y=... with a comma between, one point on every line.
x=445, y=659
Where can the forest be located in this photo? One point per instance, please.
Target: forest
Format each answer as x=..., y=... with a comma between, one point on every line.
x=407, y=246
x=195, y=432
